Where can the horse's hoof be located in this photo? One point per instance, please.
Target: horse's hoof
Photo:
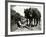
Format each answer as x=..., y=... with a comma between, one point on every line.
x=32, y=25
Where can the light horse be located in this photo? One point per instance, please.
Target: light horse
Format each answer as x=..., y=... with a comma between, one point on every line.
x=16, y=18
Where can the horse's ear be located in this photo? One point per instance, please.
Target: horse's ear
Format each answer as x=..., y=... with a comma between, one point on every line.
x=24, y=9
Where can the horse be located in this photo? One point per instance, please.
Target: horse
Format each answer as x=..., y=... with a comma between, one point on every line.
x=26, y=11
x=35, y=15
x=32, y=13
x=15, y=18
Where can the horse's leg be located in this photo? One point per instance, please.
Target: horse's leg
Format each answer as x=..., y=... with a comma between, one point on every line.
x=27, y=22
x=39, y=21
x=34, y=22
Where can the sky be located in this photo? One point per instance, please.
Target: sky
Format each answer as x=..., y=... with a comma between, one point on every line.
x=20, y=8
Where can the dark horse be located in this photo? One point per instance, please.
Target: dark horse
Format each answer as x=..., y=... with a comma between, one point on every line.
x=28, y=15
x=36, y=15
x=32, y=13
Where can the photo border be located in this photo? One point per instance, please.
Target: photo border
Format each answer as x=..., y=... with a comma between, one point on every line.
x=6, y=18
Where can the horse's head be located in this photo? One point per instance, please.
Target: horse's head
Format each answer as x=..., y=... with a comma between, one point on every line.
x=30, y=12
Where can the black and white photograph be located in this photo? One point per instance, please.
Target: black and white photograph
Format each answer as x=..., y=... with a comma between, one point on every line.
x=25, y=18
